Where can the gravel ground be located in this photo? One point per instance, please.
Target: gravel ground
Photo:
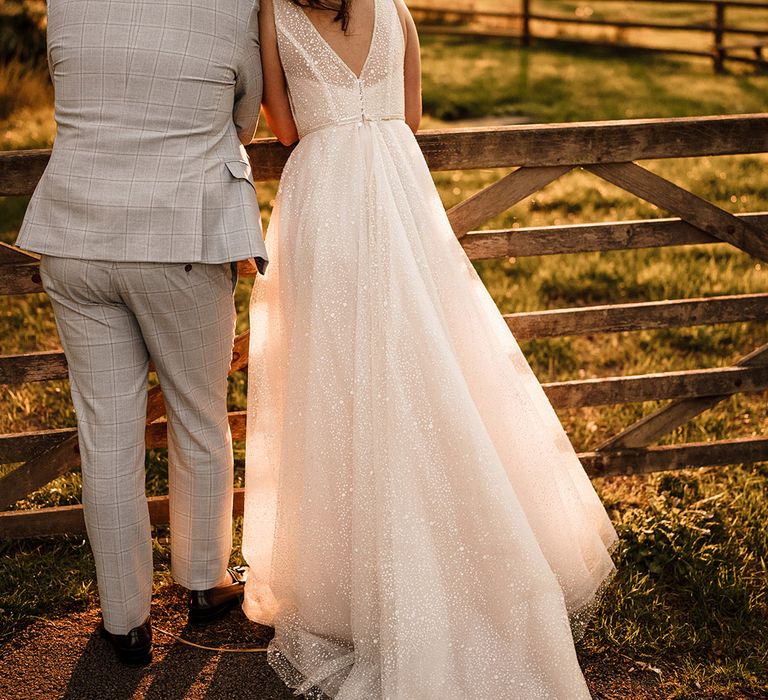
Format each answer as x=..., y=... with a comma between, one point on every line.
x=66, y=658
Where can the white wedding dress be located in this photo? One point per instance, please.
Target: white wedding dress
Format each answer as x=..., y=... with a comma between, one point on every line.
x=417, y=523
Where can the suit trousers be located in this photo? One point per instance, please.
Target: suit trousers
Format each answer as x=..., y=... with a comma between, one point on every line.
x=113, y=318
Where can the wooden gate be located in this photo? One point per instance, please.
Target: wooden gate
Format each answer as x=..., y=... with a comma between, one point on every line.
x=537, y=155
x=749, y=44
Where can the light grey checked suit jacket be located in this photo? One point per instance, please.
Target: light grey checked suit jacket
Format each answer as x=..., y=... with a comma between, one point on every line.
x=154, y=99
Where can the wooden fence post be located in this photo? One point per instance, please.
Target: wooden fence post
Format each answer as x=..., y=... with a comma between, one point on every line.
x=526, y=23
x=718, y=48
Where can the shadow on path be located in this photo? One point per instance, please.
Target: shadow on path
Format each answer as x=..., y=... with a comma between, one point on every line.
x=97, y=674
x=66, y=658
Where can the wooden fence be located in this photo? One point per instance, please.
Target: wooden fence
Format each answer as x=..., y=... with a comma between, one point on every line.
x=537, y=155
x=748, y=43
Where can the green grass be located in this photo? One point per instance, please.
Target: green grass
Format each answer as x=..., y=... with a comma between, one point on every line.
x=481, y=78
x=690, y=594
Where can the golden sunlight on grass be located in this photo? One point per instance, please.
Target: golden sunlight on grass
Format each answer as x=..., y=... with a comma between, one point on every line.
x=26, y=107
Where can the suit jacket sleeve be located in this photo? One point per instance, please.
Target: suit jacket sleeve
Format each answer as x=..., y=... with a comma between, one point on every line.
x=248, y=81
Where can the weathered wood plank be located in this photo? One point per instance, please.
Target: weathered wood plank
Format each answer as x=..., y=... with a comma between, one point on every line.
x=49, y=465
x=39, y=471
x=618, y=24
x=69, y=519
x=672, y=457
x=18, y=447
x=240, y=352
x=469, y=32
x=11, y=255
x=592, y=142
x=20, y=279
x=33, y=367
x=500, y=196
x=246, y=268
x=585, y=238
x=500, y=147
x=464, y=12
x=51, y=365
x=613, y=318
x=514, y=35
x=20, y=171
x=688, y=206
x=678, y=412
x=427, y=25
x=60, y=459
x=653, y=387
x=676, y=27
x=56, y=461
x=155, y=404
x=579, y=238
x=23, y=277
x=157, y=433
x=582, y=238
x=506, y=13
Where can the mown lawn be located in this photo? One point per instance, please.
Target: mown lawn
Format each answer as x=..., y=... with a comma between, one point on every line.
x=690, y=596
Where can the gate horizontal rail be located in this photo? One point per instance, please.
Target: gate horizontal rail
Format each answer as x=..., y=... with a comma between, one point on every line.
x=531, y=157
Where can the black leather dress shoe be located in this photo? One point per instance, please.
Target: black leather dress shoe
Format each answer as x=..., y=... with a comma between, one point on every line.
x=134, y=648
x=211, y=605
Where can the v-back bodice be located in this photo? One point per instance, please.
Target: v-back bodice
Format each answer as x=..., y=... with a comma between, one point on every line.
x=323, y=89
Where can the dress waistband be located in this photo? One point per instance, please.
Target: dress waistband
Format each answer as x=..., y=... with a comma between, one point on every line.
x=359, y=120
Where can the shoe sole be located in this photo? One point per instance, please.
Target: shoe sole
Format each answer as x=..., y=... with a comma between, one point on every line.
x=206, y=617
x=141, y=656
x=135, y=657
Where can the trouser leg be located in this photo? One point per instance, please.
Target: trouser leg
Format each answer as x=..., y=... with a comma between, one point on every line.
x=108, y=366
x=187, y=317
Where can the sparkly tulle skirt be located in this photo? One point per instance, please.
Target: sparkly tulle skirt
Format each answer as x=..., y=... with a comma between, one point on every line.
x=417, y=522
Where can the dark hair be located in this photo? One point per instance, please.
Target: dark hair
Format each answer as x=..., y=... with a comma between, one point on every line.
x=340, y=7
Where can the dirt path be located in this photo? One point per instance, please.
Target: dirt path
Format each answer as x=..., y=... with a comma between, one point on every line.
x=65, y=658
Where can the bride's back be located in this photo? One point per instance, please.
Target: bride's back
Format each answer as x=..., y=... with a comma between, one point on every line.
x=352, y=45
x=336, y=78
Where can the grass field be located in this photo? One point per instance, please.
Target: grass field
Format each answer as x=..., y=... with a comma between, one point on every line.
x=690, y=596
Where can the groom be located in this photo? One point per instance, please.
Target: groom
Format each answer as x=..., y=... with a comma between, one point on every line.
x=147, y=202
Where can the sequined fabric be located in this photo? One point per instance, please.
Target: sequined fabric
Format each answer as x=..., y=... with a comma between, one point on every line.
x=417, y=523
x=323, y=90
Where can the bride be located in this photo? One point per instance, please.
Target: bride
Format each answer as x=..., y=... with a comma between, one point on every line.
x=417, y=523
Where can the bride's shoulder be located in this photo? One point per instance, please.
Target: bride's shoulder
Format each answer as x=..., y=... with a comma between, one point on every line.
x=402, y=8
x=406, y=20
x=404, y=14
